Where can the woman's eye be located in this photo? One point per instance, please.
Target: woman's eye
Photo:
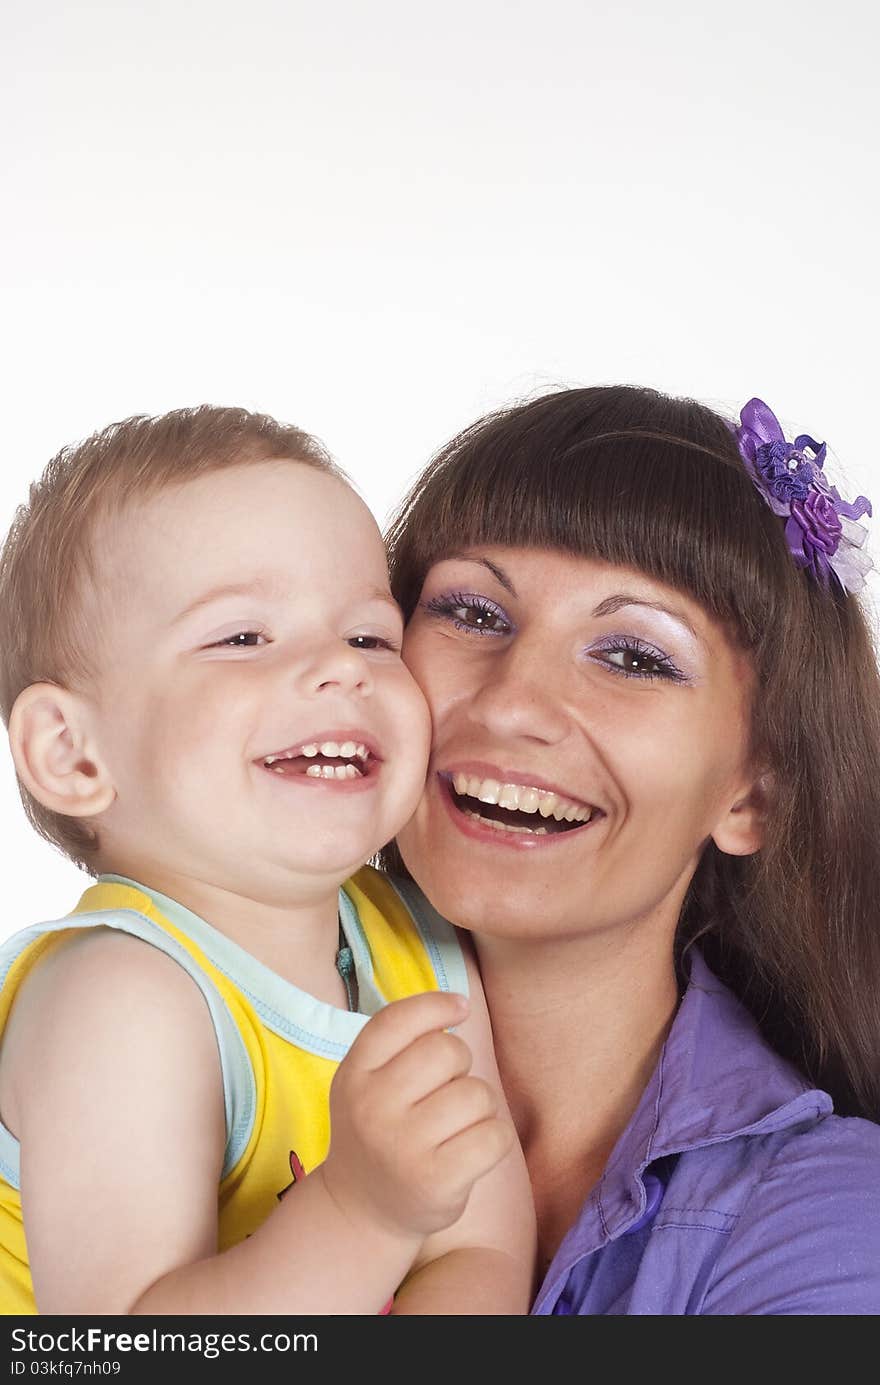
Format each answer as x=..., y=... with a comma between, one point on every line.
x=243, y=639
x=473, y=614
x=369, y=642
x=635, y=660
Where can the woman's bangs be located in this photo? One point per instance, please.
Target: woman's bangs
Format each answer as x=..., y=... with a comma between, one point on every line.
x=674, y=511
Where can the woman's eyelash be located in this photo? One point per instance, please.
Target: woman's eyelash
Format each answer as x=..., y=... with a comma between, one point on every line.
x=476, y=615
x=639, y=661
x=468, y=612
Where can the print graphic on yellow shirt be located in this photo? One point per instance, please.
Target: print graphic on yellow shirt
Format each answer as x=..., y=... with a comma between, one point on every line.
x=297, y=1171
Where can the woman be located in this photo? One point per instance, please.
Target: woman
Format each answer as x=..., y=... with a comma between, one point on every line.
x=654, y=801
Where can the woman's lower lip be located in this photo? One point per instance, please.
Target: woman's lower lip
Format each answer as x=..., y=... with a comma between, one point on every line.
x=479, y=829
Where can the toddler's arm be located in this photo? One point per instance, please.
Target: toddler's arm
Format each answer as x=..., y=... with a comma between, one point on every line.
x=485, y=1262
x=111, y=1080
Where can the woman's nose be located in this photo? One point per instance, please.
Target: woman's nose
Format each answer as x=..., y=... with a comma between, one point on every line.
x=521, y=695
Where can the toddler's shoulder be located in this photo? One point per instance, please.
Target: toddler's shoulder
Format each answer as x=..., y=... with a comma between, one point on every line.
x=412, y=947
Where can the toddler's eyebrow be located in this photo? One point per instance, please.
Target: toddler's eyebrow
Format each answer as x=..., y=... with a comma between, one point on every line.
x=265, y=587
x=381, y=594
x=260, y=586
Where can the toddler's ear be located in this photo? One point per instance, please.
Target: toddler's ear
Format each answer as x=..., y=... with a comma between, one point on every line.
x=741, y=831
x=53, y=752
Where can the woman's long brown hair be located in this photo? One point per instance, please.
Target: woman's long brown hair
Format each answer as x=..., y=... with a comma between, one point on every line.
x=656, y=483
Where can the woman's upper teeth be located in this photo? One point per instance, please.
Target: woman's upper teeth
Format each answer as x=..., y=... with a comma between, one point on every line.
x=521, y=797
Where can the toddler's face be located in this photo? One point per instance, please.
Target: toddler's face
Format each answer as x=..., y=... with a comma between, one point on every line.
x=260, y=729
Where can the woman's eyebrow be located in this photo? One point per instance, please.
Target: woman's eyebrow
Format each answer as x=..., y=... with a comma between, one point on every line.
x=614, y=603
x=497, y=572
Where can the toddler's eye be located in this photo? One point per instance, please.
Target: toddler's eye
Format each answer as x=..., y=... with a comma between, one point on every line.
x=243, y=639
x=369, y=642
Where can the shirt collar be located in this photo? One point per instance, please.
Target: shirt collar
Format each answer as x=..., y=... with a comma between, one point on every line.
x=716, y=1079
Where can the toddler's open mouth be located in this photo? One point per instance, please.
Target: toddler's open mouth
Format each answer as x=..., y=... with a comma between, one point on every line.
x=324, y=759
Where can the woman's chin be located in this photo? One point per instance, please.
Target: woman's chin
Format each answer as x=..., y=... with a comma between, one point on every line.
x=475, y=870
x=469, y=891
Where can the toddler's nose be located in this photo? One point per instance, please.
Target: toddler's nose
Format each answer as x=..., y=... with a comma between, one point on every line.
x=340, y=666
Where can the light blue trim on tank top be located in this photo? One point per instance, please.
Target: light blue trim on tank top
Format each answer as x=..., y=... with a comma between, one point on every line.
x=239, y=1089
x=291, y=1013
x=437, y=934
x=294, y=1014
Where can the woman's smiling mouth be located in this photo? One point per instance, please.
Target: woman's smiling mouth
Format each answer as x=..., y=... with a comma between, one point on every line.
x=513, y=813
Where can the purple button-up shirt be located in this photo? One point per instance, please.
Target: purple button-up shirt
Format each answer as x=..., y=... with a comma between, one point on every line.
x=733, y=1190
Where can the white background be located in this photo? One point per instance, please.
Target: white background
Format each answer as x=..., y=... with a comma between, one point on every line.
x=379, y=220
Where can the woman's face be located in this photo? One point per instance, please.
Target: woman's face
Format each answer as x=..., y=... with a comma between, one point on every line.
x=590, y=737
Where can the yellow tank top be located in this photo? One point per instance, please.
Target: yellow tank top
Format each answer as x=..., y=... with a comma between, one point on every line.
x=279, y=1047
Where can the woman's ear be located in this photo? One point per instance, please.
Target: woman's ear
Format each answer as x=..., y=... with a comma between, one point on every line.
x=741, y=830
x=54, y=755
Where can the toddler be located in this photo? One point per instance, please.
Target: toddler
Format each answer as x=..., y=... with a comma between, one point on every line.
x=242, y=1076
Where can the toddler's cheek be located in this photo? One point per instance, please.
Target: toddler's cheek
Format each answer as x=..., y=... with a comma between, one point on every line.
x=422, y=736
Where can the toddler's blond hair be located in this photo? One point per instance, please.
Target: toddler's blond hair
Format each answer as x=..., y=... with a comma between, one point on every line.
x=48, y=558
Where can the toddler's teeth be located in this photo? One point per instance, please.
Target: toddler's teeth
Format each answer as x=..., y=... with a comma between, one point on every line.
x=348, y=748
x=314, y=772
x=330, y=749
x=310, y=751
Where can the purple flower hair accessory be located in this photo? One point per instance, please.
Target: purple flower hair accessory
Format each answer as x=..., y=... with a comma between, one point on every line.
x=821, y=528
